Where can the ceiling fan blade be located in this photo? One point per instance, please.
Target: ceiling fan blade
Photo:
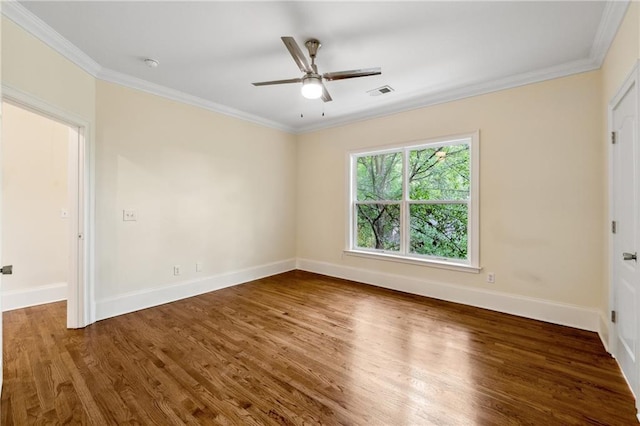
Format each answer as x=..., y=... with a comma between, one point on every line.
x=269, y=83
x=326, y=97
x=297, y=54
x=341, y=75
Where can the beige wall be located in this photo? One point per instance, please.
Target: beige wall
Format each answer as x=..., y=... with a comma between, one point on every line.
x=206, y=188
x=541, y=188
x=622, y=55
x=31, y=66
x=220, y=191
x=35, y=238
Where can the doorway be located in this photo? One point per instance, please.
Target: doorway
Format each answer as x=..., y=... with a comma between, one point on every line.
x=625, y=230
x=43, y=207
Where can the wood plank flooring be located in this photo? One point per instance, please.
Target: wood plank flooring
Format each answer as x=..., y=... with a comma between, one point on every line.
x=300, y=348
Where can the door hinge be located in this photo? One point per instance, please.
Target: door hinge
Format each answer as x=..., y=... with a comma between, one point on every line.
x=6, y=270
x=613, y=137
x=613, y=226
x=613, y=316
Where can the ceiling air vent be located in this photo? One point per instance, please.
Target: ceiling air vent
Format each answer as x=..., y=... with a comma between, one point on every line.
x=380, y=91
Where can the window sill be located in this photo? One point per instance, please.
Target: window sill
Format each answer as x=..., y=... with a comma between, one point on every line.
x=415, y=261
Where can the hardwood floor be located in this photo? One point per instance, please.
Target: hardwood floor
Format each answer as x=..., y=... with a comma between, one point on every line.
x=300, y=348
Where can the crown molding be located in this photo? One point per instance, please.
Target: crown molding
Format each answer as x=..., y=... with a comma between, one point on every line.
x=610, y=21
x=612, y=17
x=426, y=98
x=176, y=95
x=42, y=31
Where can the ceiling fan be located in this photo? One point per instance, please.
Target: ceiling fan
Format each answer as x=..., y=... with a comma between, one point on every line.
x=312, y=82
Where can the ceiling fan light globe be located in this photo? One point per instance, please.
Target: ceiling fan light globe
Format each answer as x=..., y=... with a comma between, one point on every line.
x=311, y=88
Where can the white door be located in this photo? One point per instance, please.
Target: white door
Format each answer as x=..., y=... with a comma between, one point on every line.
x=625, y=266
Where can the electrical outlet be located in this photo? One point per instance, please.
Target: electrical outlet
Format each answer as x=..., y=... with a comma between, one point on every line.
x=176, y=270
x=491, y=277
x=129, y=215
x=198, y=266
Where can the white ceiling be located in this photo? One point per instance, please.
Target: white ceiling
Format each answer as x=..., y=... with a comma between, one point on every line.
x=429, y=52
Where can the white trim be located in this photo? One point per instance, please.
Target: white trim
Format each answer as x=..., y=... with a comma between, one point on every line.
x=444, y=140
x=134, y=301
x=414, y=261
x=603, y=331
x=473, y=226
x=528, y=307
x=75, y=259
x=1, y=322
x=610, y=21
x=80, y=297
x=472, y=263
x=632, y=80
x=43, y=32
x=40, y=106
x=610, y=153
x=17, y=299
x=422, y=99
x=176, y=95
x=625, y=378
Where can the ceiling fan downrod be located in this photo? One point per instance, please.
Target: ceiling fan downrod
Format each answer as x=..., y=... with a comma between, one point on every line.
x=312, y=46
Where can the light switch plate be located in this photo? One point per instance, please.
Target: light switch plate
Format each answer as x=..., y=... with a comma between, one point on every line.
x=129, y=215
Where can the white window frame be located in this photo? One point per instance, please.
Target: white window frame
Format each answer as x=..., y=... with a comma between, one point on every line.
x=472, y=263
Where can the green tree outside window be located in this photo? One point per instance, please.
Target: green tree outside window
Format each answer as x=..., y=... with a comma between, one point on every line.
x=423, y=192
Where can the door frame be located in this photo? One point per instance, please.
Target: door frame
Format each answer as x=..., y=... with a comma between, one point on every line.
x=632, y=79
x=80, y=305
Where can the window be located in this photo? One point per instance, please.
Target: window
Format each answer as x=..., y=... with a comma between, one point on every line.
x=417, y=202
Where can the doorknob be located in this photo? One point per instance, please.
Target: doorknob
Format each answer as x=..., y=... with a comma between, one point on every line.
x=630, y=256
x=6, y=270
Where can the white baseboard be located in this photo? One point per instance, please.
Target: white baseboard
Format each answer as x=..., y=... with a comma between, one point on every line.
x=538, y=309
x=16, y=299
x=603, y=331
x=134, y=301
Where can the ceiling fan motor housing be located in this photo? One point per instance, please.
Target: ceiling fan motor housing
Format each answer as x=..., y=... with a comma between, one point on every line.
x=311, y=78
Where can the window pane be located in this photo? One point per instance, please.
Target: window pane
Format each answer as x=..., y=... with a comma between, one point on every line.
x=439, y=173
x=380, y=177
x=439, y=230
x=379, y=226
